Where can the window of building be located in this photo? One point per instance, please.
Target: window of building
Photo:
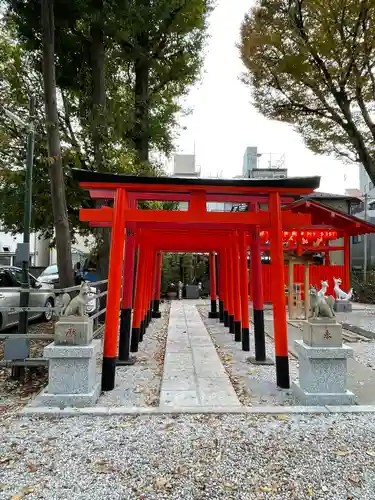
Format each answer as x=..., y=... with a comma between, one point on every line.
x=357, y=239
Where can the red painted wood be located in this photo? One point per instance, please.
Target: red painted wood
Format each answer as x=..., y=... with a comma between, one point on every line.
x=317, y=274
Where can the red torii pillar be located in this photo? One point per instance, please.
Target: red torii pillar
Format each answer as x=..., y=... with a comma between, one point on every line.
x=230, y=290
x=137, y=315
x=157, y=284
x=236, y=289
x=221, y=286
x=213, y=285
x=225, y=265
x=127, y=302
x=244, y=286
x=256, y=276
x=116, y=261
x=278, y=299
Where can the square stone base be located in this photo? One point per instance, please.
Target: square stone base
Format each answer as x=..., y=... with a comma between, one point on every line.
x=322, y=398
x=72, y=368
x=343, y=306
x=47, y=399
x=322, y=332
x=73, y=378
x=73, y=330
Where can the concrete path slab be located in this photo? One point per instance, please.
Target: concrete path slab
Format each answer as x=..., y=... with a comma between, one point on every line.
x=193, y=373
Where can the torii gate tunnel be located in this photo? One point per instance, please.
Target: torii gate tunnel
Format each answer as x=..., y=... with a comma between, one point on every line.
x=226, y=236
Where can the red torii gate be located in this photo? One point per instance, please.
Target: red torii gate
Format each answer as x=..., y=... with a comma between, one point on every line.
x=128, y=221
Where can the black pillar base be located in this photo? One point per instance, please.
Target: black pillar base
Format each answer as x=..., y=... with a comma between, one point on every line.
x=213, y=313
x=150, y=313
x=108, y=373
x=265, y=362
x=155, y=309
x=282, y=372
x=125, y=329
x=136, y=334
x=259, y=335
x=231, y=323
x=142, y=330
x=245, y=339
x=128, y=362
x=226, y=318
x=221, y=311
x=237, y=330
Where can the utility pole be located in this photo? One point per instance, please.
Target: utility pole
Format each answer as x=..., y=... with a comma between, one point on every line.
x=24, y=248
x=365, y=244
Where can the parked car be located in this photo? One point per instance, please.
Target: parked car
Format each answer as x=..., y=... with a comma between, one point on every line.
x=11, y=277
x=50, y=276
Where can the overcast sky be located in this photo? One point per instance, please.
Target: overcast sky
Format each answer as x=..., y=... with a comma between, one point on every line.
x=224, y=122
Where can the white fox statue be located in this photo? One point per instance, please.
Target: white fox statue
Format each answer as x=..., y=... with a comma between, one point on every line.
x=77, y=305
x=340, y=294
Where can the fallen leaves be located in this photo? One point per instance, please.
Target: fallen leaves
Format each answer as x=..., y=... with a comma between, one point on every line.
x=102, y=467
x=31, y=467
x=162, y=483
x=342, y=453
x=370, y=453
x=228, y=485
x=226, y=357
x=125, y=425
x=24, y=492
x=282, y=417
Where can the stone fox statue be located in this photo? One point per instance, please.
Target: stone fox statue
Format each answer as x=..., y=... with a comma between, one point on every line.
x=321, y=306
x=77, y=305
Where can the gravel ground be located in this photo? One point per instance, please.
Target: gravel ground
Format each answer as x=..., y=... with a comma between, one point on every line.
x=190, y=457
x=254, y=384
x=139, y=385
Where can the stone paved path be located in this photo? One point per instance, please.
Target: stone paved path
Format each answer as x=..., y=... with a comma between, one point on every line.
x=193, y=373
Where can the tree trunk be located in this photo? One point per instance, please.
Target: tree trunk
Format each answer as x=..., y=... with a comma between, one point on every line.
x=141, y=111
x=60, y=213
x=98, y=131
x=98, y=89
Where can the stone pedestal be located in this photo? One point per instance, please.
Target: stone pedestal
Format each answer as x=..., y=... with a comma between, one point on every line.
x=73, y=330
x=325, y=332
x=72, y=377
x=322, y=365
x=343, y=306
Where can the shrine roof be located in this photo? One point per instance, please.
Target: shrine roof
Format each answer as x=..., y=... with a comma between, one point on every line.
x=331, y=217
x=88, y=177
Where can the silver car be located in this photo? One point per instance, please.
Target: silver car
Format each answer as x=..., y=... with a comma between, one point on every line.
x=11, y=277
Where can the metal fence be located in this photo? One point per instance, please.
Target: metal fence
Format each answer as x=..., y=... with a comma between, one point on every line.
x=18, y=344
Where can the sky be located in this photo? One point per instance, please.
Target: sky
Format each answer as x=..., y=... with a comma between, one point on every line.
x=224, y=122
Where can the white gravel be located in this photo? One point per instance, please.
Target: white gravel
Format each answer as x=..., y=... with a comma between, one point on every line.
x=254, y=384
x=364, y=352
x=139, y=384
x=189, y=457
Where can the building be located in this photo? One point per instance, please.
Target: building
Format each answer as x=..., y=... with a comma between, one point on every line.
x=185, y=166
x=365, y=209
x=250, y=161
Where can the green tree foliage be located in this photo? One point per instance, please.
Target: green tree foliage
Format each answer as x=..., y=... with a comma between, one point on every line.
x=177, y=30
x=311, y=63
